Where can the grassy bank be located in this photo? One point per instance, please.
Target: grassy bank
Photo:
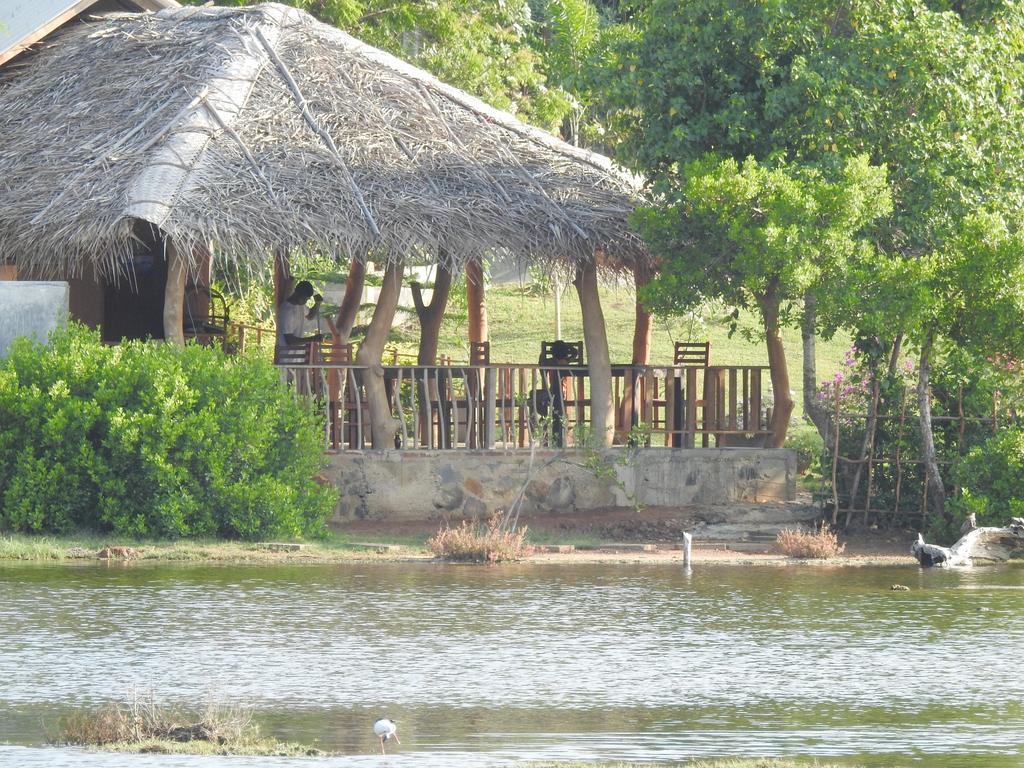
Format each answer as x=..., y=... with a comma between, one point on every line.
x=397, y=549
x=144, y=725
x=253, y=747
x=85, y=548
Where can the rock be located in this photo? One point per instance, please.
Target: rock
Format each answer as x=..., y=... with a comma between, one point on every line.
x=899, y=588
x=197, y=732
x=537, y=490
x=560, y=495
x=448, y=498
x=558, y=549
x=116, y=553
x=278, y=546
x=474, y=509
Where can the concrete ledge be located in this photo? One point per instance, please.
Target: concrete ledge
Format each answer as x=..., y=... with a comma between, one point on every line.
x=426, y=485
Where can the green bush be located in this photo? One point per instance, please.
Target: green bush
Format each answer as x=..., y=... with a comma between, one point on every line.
x=991, y=476
x=149, y=440
x=807, y=443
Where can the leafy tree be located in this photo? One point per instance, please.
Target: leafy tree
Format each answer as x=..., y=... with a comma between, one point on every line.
x=971, y=294
x=757, y=237
x=480, y=46
x=930, y=90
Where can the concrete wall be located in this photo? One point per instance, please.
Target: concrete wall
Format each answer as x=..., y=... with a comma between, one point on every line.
x=432, y=484
x=30, y=309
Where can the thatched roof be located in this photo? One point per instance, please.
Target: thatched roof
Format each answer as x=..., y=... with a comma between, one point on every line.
x=260, y=127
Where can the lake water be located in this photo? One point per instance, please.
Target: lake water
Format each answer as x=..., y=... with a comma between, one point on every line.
x=490, y=666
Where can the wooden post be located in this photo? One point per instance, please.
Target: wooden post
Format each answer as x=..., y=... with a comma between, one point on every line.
x=687, y=546
x=382, y=425
x=490, y=389
x=476, y=300
x=174, y=295
x=690, y=427
x=595, y=336
x=835, y=461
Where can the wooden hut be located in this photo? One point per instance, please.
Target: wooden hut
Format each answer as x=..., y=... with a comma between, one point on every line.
x=136, y=145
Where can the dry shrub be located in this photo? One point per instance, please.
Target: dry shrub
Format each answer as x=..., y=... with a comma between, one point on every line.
x=142, y=719
x=472, y=542
x=819, y=544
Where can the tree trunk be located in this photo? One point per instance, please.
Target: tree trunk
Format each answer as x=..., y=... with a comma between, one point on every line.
x=814, y=410
x=349, y=309
x=174, y=295
x=642, y=324
x=783, y=407
x=641, y=351
x=383, y=425
x=936, y=488
x=282, y=278
x=595, y=337
x=980, y=545
x=431, y=315
x=475, y=298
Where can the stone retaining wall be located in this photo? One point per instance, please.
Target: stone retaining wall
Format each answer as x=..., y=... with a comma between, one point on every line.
x=425, y=485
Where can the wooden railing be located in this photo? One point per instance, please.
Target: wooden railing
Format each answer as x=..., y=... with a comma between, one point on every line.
x=506, y=407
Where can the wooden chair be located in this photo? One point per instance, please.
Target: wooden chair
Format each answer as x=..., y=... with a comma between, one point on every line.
x=567, y=399
x=287, y=355
x=575, y=356
x=476, y=428
x=693, y=353
x=340, y=399
x=480, y=353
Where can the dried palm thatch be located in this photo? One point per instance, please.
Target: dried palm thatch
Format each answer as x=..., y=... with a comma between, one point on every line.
x=260, y=128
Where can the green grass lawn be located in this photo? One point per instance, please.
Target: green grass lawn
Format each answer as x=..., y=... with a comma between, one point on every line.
x=519, y=320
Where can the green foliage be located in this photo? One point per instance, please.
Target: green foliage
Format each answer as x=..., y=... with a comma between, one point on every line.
x=931, y=95
x=809, y=448
x=737, y=233
x=973, y=287
x=991, y=477
x=149, y=440
x=481, y=46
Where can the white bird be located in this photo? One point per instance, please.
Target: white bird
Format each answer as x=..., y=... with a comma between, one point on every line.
x=385, y=728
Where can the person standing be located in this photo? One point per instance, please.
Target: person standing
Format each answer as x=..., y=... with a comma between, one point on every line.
x=292, y=315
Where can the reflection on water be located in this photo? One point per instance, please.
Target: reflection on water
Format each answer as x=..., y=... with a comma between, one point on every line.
x=487, y=666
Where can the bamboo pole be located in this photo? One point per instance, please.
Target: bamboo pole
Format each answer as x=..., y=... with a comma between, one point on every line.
x=835, y=463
